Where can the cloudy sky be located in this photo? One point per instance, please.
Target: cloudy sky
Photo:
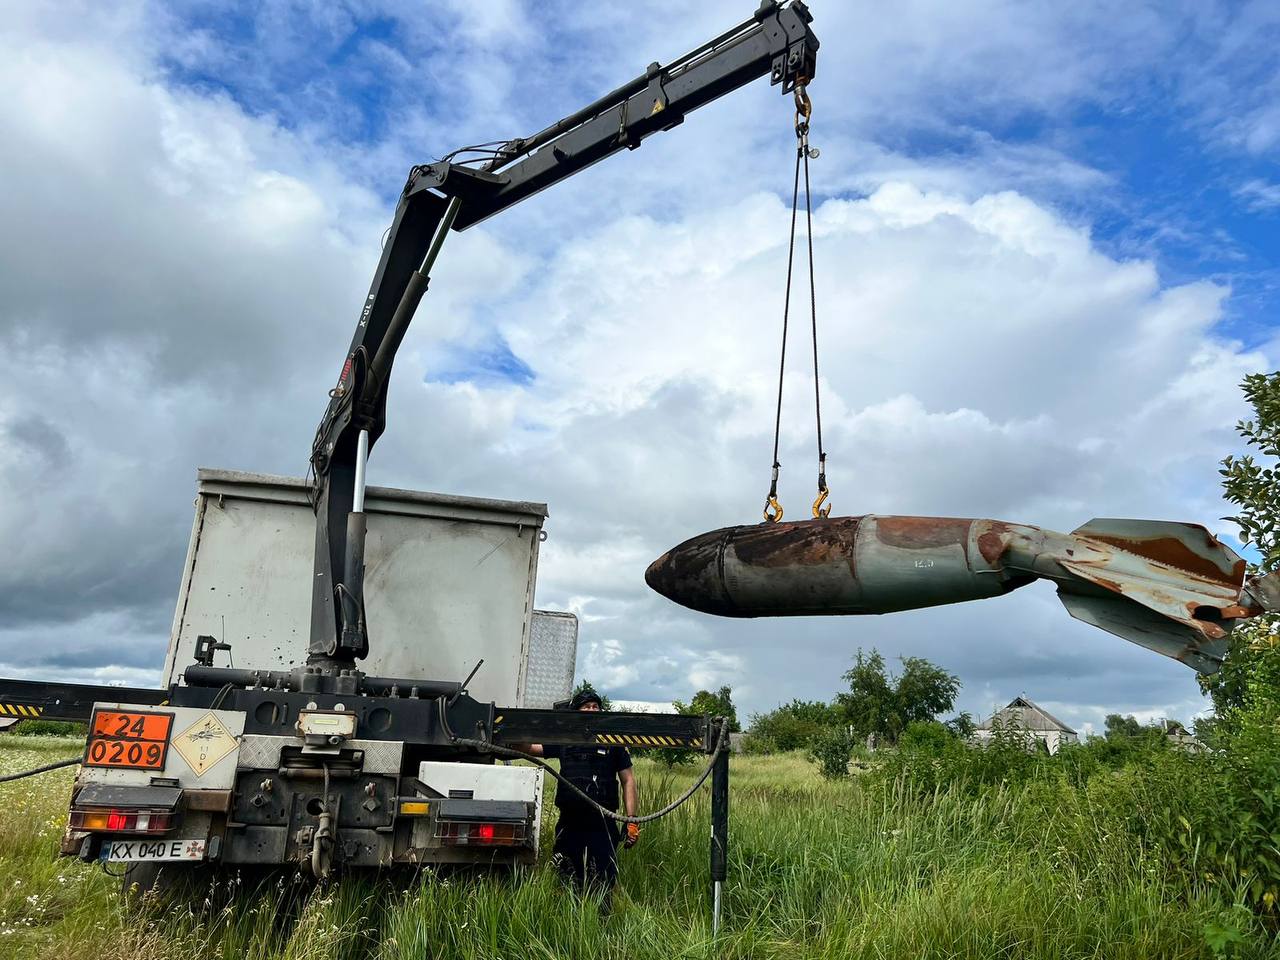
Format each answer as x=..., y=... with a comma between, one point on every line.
x=1046, y=256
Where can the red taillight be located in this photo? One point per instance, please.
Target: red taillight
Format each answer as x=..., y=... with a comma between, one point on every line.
x=105, y=820
x=489, y=834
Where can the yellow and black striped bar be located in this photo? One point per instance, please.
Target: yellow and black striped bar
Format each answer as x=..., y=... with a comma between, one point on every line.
x=19, y=710
x=638, y=740
x=638, y=730
x=67, y=701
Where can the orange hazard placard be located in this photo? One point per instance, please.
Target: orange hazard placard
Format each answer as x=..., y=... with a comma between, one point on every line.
x=137, y=739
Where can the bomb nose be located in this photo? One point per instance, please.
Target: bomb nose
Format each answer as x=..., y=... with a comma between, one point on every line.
x=658, y=575
x=689, y=575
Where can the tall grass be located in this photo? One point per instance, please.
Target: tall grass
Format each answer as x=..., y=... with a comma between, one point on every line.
x=860, y=868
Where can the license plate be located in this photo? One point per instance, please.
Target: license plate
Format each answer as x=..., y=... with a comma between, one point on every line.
x=131, y=851
x=133, y=739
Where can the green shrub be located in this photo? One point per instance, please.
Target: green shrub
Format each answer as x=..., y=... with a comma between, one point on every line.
x=1225, y=823
x=794, y=725
x=832, y=752
x=50, y=728
x=755, y=745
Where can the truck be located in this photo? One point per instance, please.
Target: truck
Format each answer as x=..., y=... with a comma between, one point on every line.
x=342, y=732
x=243, y=796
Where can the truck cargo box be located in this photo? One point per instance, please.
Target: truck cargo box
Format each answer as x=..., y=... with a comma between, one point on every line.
x=448, y=580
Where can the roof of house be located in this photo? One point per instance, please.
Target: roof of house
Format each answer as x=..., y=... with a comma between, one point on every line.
x=1027, y=715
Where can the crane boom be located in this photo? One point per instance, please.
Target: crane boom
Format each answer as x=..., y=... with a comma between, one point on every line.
x=776, y=41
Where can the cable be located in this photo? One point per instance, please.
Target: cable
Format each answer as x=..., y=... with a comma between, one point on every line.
x=220, y=696
x=773, y=510
x=813, y=316
x=721, y=744
x=772, y=499
x=45, y=769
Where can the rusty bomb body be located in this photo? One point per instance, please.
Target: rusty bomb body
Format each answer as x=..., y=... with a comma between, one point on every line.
x=1171, y=587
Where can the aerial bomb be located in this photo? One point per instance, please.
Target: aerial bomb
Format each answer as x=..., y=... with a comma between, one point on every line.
x=1171, y=587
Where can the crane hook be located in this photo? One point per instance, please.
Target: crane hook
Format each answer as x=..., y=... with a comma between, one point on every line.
x=818, y=509
x=804, y=106
x=772, y=510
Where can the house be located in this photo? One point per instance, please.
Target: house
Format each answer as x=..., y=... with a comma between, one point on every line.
x=1025, y=719
x=1180, y=737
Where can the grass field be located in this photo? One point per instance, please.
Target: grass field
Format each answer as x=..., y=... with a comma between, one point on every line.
x=817, y=869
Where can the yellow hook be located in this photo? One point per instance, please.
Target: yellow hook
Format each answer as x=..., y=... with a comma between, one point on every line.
x=773, y=505
x=818, y=509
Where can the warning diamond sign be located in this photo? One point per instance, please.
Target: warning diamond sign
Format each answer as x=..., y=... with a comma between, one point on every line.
x=204, y=743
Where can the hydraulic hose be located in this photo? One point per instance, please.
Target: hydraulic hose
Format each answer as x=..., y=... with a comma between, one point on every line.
x=45, y=769
x=721, y=745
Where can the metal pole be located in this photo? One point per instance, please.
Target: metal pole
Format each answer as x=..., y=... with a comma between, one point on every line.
x=413, y=291
x=446, y=222
x=362, y=460
x=719, y=831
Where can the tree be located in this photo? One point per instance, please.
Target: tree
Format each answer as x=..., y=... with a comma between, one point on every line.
x=962, y=725
x=884, y=705
x=870, y=706
x=706, y=703
x=1246, y=691
x=791, y=726
x=1252, y=487
x=1118, y=726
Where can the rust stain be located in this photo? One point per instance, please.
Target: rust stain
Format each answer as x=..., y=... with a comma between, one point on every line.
x=921, y=533
x=693, y=562
x=1237, y=612
x=993, y=543
x=1175, y=553
x=1109, y=584
x=800, y=544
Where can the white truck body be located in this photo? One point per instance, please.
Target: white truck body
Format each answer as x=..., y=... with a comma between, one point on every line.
x=449, y=580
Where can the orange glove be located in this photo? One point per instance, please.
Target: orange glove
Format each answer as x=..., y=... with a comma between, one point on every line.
x=633, y=835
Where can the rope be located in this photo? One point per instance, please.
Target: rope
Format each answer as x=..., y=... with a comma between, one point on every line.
x=721, y=745
x=45, y=769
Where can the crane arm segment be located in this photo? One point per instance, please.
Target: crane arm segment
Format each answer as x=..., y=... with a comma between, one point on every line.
x=453, y=194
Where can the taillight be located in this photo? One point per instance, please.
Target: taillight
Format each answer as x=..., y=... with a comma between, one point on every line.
x=103, y=820
x=480, y=834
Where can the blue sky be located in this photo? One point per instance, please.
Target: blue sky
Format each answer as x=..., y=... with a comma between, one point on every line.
x=1046, y=247
x=1179, y=136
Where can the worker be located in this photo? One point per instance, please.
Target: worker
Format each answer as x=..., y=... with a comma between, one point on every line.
x=585, y=849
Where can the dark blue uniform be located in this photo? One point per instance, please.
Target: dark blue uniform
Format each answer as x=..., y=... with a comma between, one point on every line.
x=586, y=843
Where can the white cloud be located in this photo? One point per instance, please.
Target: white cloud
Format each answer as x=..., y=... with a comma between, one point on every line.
x=183, y=275
x=1259, y=195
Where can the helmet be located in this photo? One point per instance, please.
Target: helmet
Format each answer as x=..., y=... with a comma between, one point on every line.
x=583, y=697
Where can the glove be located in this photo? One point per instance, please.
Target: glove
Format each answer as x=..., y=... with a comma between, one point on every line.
x=633, y=835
